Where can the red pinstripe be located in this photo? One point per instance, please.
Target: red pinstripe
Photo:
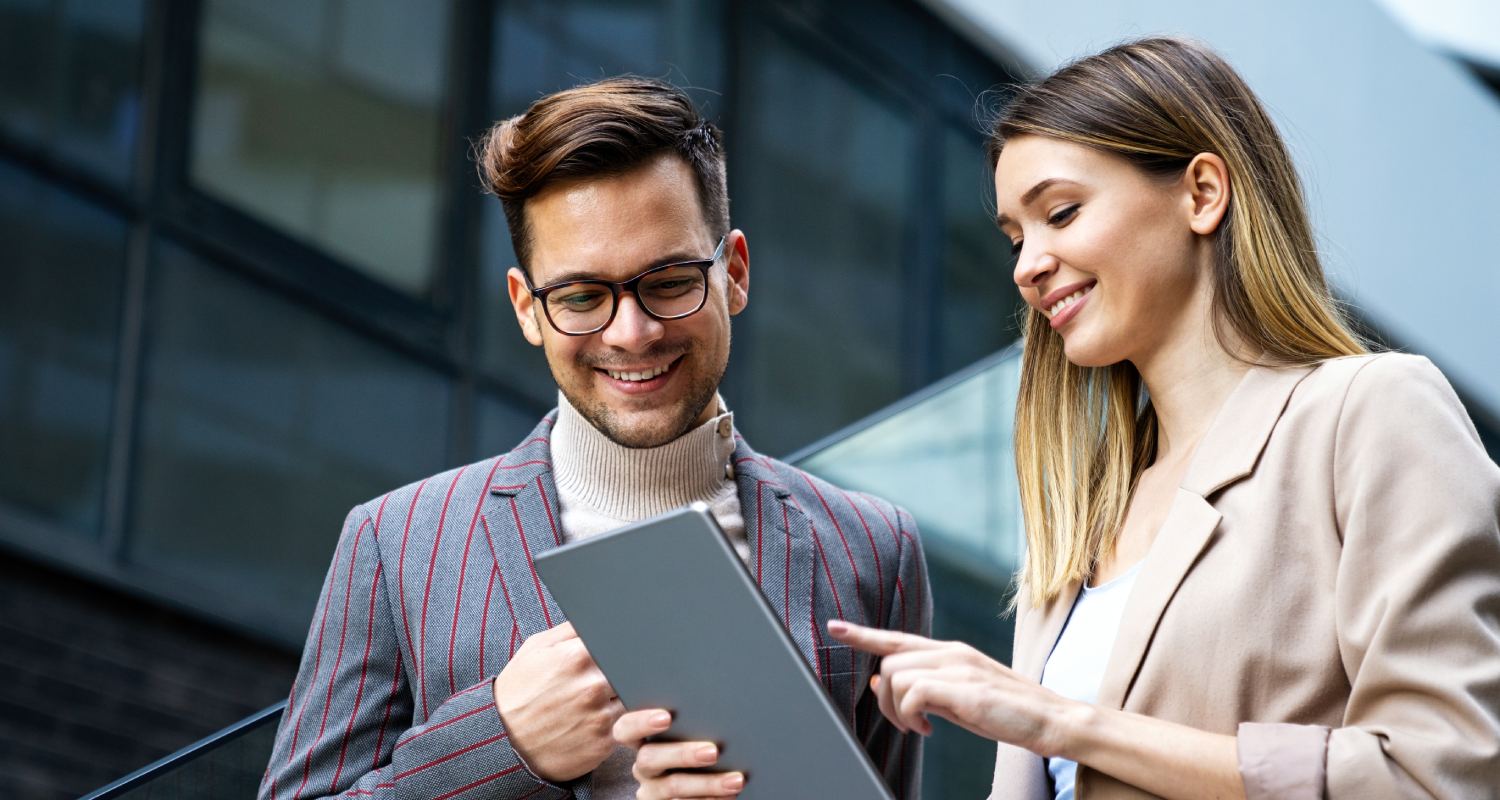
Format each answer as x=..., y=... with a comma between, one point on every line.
x=505, y=590
x=532, y=462
x=849, y=554
x=535, y=579
x=547, y=504
x=389, y=703
x=786, y=603
x=364, y=667
x=459, y=597
x=343, y=629
x=437, y=541
x=317, y=667
x=828, y=573
x=515, y=633
x=445, y=723
x=416, y=655
x=484, y=619
x=759, y=488
x=879, y=572
x=473, y=784
x=901, y=593
x=450, y=756
x=508, y=488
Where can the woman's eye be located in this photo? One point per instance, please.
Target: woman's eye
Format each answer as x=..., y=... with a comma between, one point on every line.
x=1015, y=248
x=1063, y=215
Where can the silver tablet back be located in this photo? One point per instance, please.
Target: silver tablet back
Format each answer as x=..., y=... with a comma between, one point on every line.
x=675, y=621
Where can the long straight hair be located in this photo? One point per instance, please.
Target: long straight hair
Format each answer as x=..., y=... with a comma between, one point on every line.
x=1084, y=434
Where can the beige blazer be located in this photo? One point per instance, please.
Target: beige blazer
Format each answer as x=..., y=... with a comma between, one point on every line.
x=1326, y=586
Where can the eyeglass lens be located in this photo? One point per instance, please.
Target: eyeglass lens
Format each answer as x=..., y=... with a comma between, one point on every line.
x=669, y=292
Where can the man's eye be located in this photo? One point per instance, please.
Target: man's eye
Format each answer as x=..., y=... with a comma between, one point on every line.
x=579, y=301
x=1063, y=215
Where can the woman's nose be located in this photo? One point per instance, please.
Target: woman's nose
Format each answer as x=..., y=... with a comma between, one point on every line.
x=1033, y=267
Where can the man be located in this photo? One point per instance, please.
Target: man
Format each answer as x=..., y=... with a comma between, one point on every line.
x=437, y=664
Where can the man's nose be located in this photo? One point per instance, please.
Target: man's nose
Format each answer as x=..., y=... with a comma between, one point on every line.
x=632, y=329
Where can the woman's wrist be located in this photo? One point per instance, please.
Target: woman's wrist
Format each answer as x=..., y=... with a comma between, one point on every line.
x=1068, y=728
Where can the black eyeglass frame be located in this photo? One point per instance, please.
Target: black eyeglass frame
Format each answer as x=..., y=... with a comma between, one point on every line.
x=630, y=285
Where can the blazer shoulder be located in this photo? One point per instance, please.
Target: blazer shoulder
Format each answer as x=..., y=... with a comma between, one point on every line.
x=819, y=497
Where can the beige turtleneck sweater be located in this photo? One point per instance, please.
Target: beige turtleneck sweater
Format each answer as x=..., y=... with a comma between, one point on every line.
x=602, y=486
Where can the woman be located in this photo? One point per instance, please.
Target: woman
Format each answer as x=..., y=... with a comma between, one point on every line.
x=1260, y=562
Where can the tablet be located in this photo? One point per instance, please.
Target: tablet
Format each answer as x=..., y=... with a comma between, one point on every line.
x=674, y=620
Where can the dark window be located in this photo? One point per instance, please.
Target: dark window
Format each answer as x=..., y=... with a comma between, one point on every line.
x=69, y=75
x=262, y=424
x=59, y=324
x=322, y=118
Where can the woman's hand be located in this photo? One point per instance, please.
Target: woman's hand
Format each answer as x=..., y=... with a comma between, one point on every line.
x=919, y=676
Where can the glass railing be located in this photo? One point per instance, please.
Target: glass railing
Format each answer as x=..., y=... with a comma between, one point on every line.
x=943, y=453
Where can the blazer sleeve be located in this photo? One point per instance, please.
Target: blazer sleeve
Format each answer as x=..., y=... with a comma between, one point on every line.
x=347, y=730
x=1417, y=503
x=899, y=755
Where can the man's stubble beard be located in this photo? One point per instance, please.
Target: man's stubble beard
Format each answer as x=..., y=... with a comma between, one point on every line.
x=700, y=393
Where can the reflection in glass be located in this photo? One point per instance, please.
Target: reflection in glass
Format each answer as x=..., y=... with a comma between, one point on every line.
x=824, y=179
x=949, y=460
x=59, y=323
x=262, y=425
x=69, y=79
x=977, y=310
x=322, y=117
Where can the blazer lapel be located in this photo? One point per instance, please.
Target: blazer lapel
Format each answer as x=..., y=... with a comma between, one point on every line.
x=521, y=519
x=1226, y=454
x=1048, y=622
x=781, y=547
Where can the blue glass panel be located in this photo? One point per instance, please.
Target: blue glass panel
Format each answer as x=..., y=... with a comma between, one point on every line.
x=262, y=424
x=70, y=79
x=59, y=322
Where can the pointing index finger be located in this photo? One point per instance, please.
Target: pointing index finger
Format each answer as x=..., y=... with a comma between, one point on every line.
x=874, y=640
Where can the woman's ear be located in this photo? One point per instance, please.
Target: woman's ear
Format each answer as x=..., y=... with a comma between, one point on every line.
x=1207, y=179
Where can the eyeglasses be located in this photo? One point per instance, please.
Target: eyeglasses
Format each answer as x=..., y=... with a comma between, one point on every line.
x=670, y=291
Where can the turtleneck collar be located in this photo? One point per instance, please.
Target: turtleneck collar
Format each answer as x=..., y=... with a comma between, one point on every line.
x=628, y=483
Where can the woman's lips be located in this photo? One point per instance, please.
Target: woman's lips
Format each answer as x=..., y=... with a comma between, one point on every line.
x=1070, y=311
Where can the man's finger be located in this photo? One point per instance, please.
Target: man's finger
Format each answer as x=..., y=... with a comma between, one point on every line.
x=655, y=759
x=633, y=728
x=874, y=640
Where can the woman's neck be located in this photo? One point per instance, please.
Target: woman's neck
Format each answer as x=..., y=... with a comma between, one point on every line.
x=1189, y=377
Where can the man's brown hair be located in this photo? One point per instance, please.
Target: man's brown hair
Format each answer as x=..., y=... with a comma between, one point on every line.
x=600, y=129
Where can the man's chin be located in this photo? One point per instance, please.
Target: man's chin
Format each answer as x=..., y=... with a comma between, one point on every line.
x=641, y=429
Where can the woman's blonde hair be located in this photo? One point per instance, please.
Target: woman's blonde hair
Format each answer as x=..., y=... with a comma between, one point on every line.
x=1084, y=434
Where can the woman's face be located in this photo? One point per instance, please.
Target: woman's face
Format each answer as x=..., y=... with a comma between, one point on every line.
x=1109, y=255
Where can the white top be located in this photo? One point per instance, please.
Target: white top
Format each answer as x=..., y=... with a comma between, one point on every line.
x=1076, y=666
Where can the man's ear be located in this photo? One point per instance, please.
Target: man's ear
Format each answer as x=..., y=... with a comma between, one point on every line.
x=522, y=301
x=1207, y=179
x=737, y=265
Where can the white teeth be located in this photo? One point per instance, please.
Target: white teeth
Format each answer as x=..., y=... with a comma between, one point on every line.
x=1067, y=301
x=637, y=376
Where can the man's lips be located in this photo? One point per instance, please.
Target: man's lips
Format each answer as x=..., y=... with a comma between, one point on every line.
x=639, y=379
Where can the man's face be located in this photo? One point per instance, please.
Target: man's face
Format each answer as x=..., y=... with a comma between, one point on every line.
x=614, y=228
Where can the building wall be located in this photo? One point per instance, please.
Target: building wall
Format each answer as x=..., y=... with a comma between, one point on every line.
x=1395, y=143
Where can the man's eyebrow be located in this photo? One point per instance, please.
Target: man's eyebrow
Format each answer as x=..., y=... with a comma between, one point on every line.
x=1032, y=194
x=583, y=275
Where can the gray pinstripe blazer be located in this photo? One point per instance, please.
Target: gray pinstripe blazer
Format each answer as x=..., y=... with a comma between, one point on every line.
x=432, y=589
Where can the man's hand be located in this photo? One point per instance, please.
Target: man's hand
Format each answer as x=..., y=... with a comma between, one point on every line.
x=557, y=707
x=656, y=764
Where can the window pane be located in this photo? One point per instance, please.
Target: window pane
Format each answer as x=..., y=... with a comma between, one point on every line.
x=262, y=424
x=543, y=46
x=979, y=303
x=502, y=424
x=59, y=323
x=69, y=79
x=322, y=117
x=824, y=173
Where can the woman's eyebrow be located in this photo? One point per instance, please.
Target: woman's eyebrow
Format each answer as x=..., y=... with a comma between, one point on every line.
x=1031, y=195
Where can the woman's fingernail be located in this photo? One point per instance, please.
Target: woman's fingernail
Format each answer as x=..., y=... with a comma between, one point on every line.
x=874, y=681
x=707, y=754
x=838, y=626
x=661, y=719
x=734, y=782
